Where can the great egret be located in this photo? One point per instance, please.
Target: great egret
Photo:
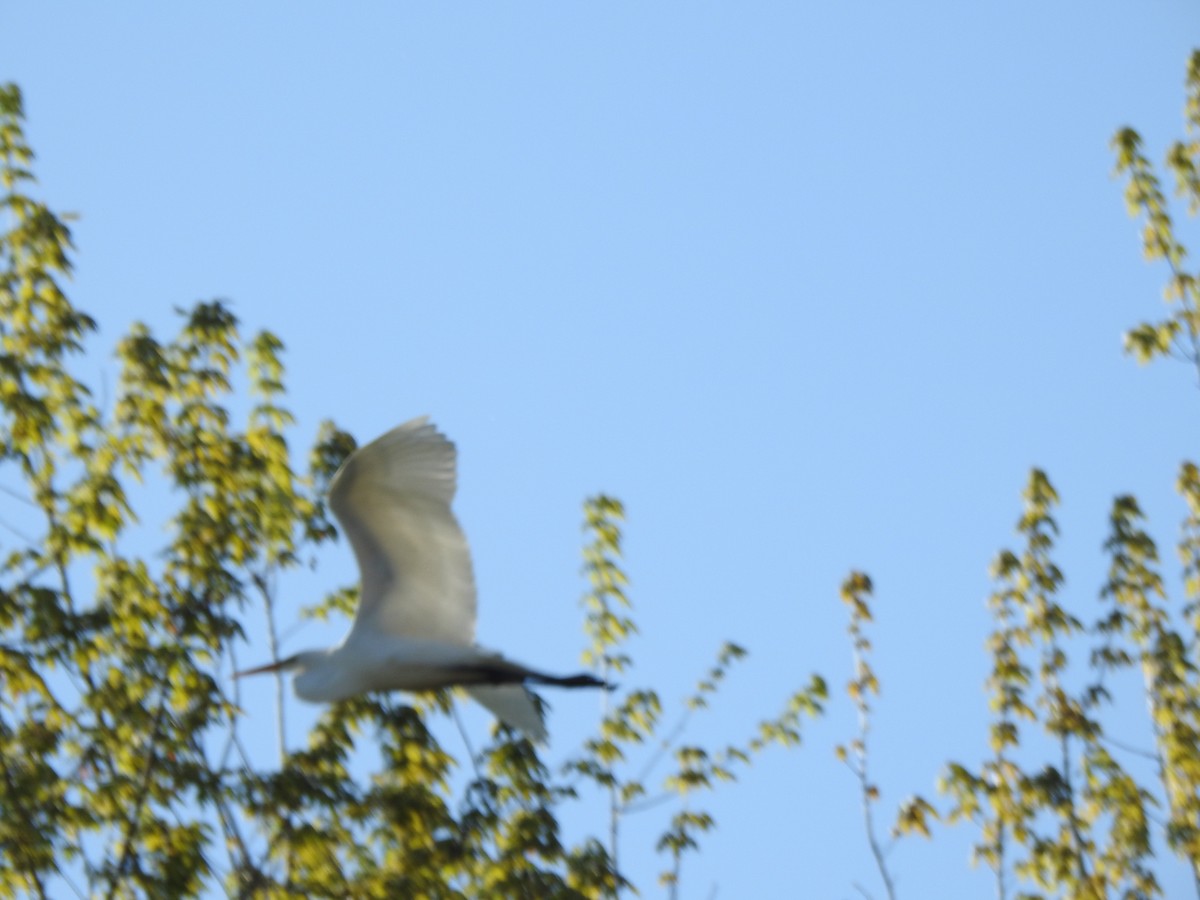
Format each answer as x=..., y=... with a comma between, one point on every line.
x=414, y=629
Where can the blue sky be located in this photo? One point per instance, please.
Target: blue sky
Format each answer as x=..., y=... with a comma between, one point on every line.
x=808, y=286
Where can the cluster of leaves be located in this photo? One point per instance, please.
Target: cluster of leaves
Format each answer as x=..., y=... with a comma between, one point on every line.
x=122, y=768
x=1059, y=805
x=636, y=722
x=856, y=593
x=1178, y=334
x=1079, y=823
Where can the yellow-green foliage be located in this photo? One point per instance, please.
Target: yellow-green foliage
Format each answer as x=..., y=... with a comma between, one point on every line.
x=122, y=768
x=122, y=763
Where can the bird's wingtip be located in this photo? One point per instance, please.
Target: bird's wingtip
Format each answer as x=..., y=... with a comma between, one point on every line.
x=513, y=705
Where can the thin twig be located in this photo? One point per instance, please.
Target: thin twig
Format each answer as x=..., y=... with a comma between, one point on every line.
x=466, y=740
x=268, y=597
x=131, y=827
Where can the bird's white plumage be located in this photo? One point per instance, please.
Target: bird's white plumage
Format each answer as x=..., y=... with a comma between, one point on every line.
x=415, y=625
x=392, y=498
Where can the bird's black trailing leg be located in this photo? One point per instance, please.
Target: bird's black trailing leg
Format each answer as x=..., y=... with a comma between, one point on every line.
x=504, y=672
x=582, y=680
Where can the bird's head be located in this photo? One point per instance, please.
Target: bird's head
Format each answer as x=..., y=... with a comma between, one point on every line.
x=316, y=680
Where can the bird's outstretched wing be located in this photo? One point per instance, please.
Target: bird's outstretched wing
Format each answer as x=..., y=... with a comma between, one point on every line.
x=392, y=498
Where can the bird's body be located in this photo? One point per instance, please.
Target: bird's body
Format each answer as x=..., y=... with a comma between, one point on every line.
x=415, y=625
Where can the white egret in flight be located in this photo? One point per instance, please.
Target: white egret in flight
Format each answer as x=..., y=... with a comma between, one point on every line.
x=415, y=625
